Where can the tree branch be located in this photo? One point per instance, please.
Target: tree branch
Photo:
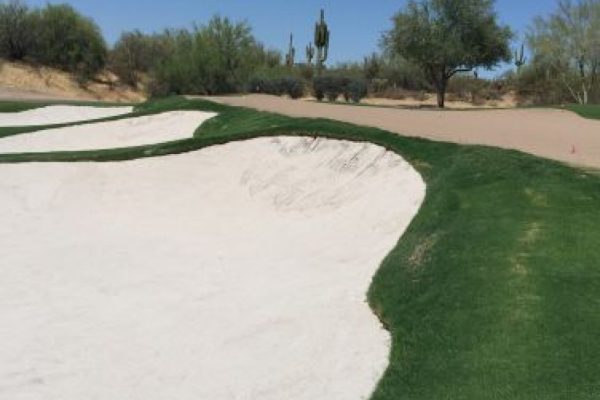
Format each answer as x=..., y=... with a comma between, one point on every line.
x=456, y=71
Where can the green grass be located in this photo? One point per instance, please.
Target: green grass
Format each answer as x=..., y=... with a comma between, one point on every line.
x=17, y=106
x=149, y=108
x=591, y=111
x=494, y=290
x=7, y=106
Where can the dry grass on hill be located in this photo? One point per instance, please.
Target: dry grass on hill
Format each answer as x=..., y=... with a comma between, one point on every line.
x=25, y=81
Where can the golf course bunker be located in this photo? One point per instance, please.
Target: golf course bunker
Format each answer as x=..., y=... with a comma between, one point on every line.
x=50, y=115
x=126, y=132
x=235, y=272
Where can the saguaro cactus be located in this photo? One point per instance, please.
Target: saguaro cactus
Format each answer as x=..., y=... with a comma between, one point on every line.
x=322, y=42
x=291, y=55
x=520, y=58
x=310, y=54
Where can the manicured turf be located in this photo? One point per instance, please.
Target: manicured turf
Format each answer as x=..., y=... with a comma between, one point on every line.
x=591, y=111
x=494, y=290
x=16, y=106
x=7, y=106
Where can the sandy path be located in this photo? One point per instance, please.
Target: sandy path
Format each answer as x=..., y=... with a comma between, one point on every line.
x=235, y=272
x=544, y=132
x=15, y=94
x=128, y=132
x=60, y=114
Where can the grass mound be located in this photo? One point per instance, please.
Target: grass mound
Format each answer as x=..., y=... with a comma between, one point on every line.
x=493, y=291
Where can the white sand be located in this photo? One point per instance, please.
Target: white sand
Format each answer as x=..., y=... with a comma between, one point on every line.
x=236, y=272
x=59, y=115
x=127, y=132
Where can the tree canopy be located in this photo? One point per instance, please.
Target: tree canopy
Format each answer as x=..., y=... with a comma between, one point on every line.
x=568, y=43
x=445, y=37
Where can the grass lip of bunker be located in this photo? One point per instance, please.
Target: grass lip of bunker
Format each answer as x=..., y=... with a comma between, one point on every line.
x=126, y=132
x=60, y=114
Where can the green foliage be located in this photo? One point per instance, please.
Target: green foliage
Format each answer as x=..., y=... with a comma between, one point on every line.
x=68, y=40
x=17, y=30
x=136, y=53
x=219, y=57
x=291, y=86
x=332, y=87
x=329, y=87
x=539, y=84
x=445, y=37
x=372, y=66
x=356, y=90
x=56, y=35
x=567, y=44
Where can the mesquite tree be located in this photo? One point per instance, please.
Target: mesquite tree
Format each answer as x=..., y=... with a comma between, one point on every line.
x=445, y=37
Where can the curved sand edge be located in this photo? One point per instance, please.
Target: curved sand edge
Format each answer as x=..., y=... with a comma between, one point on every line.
x=129, y=132
x=238, y=271
x=550, y=133
x=51, y=115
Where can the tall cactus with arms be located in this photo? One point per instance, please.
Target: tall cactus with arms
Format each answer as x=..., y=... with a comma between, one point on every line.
x=321, y=42
x=520, y=59
x=291, y=55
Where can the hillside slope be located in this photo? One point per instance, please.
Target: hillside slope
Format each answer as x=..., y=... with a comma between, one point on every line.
x=25, y=81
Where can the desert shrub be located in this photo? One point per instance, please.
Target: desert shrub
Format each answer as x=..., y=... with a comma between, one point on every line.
x=539, y=85
x=135, y=53
x=292, y=86
x=475, y=90
x=220, y=57
x=356, y=90
x=68, y=40
x=330, y=87
x=17, y=30
x=318, y=88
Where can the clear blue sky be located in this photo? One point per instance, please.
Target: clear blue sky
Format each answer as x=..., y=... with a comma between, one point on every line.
x=356, y=25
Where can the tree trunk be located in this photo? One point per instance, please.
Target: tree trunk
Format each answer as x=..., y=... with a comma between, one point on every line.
x=441, y=93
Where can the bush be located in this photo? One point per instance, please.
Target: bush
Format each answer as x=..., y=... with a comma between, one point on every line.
x=217, y=58
x=70, y=41
x=356, y=90
x=294, y=87
x=17, y=30
x=331, y=87
x=135, y=53
x=318, y=88
x=291, y=86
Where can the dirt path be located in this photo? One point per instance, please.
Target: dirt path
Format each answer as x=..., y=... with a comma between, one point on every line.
x=555, y=134
x=14, y=94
